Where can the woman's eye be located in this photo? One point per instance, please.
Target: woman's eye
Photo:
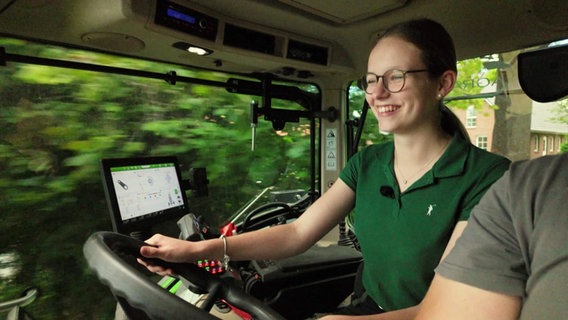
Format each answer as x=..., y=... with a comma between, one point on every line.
x=396, y=77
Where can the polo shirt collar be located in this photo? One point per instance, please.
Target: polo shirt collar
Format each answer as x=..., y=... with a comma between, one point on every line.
x=452, y=162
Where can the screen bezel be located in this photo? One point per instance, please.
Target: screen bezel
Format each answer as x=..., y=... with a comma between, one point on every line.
x=145, y=223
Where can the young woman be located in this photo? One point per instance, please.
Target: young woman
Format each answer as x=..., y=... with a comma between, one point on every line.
x=411, y=197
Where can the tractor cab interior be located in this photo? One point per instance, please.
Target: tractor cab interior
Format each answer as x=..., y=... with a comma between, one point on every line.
x=210, y=118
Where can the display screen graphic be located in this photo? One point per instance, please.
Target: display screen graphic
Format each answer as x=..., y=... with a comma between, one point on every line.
x=141, y=191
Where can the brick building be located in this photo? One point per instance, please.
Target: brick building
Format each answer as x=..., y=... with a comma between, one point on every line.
x=546, y=135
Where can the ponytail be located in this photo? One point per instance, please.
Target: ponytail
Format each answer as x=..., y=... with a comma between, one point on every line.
x=452, y=125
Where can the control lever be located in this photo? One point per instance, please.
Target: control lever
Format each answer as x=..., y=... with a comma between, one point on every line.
x=253, y=121
x=189, y=227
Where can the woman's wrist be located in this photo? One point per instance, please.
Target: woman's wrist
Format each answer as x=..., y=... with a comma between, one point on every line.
x=226, y=258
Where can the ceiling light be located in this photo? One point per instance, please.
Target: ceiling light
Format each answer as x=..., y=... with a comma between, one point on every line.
x=192, y=48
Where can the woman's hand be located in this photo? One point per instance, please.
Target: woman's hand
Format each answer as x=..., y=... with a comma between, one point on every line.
x=167, y=249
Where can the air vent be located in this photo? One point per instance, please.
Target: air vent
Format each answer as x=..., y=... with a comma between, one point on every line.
x=307, y=52
x=243, y=38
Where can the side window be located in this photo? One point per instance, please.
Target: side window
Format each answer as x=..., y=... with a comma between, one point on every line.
x=481, y=142
x=497, y=116
x=471, y=117
x=358, y=120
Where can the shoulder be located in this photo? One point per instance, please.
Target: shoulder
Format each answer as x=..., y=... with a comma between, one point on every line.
x=547, y=173
x=369, y=157
x=464, y=159
x=478, y=153
x=380, y=147
x=552, y=163
x=382, y=151
x=481, y=158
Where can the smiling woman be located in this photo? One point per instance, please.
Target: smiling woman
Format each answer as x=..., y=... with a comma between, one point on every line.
x=268, y=113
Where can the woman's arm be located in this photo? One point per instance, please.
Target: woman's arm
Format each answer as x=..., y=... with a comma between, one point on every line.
x=269, y=243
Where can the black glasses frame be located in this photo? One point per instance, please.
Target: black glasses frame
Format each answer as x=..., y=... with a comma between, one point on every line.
x=363, y=84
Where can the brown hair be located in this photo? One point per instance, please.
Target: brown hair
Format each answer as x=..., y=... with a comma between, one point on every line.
x=438, y=55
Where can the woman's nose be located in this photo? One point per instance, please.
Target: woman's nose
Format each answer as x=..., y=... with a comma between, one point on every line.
x=379, y=89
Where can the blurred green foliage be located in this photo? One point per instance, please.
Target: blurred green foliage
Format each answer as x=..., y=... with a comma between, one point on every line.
x=55, y=126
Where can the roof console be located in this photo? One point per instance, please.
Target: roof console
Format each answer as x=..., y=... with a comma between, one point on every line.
x=217, y=30
x=175, y=16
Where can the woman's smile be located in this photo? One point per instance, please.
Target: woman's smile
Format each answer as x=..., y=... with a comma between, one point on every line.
x=387, y=108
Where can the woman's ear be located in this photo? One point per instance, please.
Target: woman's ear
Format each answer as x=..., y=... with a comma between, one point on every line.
x=447, y=82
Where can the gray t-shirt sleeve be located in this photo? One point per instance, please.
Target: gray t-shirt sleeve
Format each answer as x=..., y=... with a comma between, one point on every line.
x=487, y=255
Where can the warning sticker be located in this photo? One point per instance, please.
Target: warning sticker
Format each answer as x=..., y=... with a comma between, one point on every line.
x=330, y=149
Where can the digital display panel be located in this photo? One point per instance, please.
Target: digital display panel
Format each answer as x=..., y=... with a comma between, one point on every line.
x=143, y=191
x=180, y=16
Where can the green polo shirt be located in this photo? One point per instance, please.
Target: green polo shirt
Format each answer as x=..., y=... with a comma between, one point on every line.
x=403, y=237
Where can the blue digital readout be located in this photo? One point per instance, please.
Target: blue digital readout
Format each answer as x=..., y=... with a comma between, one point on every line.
x=187, y=20
x=180, y=16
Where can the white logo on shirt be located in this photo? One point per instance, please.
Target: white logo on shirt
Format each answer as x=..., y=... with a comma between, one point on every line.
x=430, y=209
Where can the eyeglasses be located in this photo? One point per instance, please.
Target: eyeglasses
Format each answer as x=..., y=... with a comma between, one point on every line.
x=393, y=80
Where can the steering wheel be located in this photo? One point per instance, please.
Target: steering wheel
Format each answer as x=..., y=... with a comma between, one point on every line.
x=273, y=213
x=103, y=251
x=266, y=215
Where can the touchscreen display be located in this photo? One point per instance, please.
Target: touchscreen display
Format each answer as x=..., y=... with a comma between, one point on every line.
x=146, y=189
x=142, y=191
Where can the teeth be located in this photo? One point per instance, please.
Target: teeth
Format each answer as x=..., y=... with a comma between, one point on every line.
x=386, y=108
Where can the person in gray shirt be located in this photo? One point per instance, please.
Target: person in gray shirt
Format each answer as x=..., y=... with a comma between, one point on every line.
x=511, y=261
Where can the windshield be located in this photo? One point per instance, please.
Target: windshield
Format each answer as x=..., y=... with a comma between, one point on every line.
x=58, y=123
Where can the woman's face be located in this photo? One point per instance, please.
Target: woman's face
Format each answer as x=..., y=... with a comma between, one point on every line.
x=416, y=104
